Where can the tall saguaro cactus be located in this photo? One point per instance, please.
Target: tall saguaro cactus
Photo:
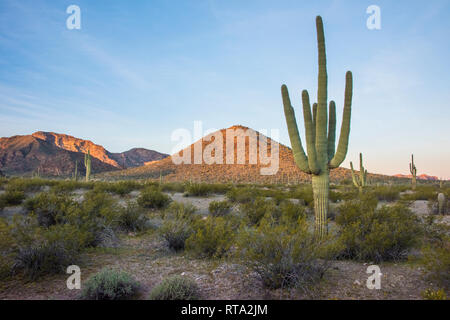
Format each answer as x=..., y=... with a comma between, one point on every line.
x=75, y=174
x=320, y=134
x=87, y=164
x=360, y=182
x=413, y=170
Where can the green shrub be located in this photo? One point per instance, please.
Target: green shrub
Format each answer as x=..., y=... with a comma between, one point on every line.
x=254, y=211
x=153, y=198
x=212, y=238
x=49, y=207
x=121, y=188
x=27, y=185
x=386, y=193
x=132, y=218
x=176, y=288
x=430, y=294
x=110, y=284
x=51, y=251
x=374, y=234
x=219, y=208
x=285, y=254
x=11, y=198
x=175, y=232
x=421, y=193
x=198, y=189
x=173, y=187
x=177, y=225
x=242, y=195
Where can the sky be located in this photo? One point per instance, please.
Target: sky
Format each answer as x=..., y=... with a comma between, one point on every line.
x=138, y=70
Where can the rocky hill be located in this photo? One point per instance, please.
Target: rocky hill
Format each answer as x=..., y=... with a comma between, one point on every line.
x=226, y=172
x=54, y=154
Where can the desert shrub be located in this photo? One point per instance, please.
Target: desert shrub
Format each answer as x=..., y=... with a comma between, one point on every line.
x=212, y=238
x=305, y=193
x=177, y=226
x=71, y=185
x=11, y=198
x=242, y=195
x=50, y=208
x=51, y=251
x=436, y=260
x=153, y=198
x=6, y=249
x=285, y=254
x=219, y=208
x=254, y=211
x=375, y=234
x=176, y=288
x=175, y=232
x=173, y=187
x=198, y=189
x=385, y=193
x=26, y=185
x=430, y=294
x=121, y=188
x=110, y=284
x=292, y=212
x=132, y=218
x=421, y=193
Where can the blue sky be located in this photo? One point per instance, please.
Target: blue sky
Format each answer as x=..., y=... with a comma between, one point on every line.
x=137, y=70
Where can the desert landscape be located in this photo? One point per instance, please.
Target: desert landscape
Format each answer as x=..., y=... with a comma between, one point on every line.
x=232, y=215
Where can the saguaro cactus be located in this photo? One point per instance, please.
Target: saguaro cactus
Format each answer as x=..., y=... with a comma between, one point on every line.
x=441, y=203
x=87, y=164
x=413, y=170
x=360, y=182
x=320, y=134
x=75, y=174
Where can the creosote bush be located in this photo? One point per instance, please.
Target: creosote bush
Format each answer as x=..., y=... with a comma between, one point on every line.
x=178, y=224
x=255, y=210
x=212, y=237
x=285, y=254
x=132, y=218
x=11, y=198
x=219, y=208
x=176, y=288
x=375, y=234
x=110, y=284
x=153, y=198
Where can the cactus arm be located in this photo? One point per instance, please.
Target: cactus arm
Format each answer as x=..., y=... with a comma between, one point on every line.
x=331, y=130
x=341, y=151
x=310, y=136
x=297, y=149
x=322, y=114
x=314, y=119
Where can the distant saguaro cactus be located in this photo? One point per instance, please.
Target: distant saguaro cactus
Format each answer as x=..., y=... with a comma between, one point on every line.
x=87, y=164
x=75, y=174
x=441, y=203
x=360, y=182
x=413, y=170
x=320, y=135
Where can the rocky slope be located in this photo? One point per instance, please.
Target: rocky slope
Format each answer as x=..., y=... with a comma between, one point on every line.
x=49, y=153
x=245, y=172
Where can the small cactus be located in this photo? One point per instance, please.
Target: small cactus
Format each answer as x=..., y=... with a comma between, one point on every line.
x=413, y=170
x=441, y=203
x=360, y=182
x=87, y=164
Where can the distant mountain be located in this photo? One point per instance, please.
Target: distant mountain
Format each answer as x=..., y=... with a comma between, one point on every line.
x=136, y=157
x=245, y=172
x=421, y=177
x=51, y=153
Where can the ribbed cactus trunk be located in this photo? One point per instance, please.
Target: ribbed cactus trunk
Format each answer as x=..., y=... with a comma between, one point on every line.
x=441, y=203
x=321, y=187
x=320, y=128
x=87, y=164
